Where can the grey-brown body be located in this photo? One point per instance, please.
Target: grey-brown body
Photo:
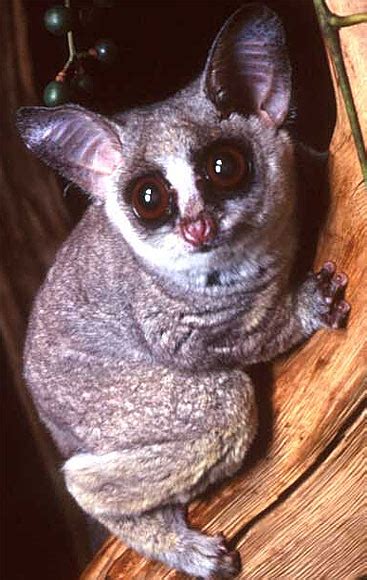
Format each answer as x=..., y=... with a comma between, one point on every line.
x=139, y=340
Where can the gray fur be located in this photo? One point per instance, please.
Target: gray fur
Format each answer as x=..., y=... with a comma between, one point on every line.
x=138, y=344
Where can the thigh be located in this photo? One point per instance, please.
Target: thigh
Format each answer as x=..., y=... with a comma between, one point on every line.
x=135, y=480
x=95, y=409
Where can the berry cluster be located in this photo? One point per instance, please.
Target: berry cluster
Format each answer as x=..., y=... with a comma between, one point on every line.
x=73, y=79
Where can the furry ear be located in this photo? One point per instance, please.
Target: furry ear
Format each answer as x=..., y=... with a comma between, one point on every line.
x=248, y=70
x=83, y=146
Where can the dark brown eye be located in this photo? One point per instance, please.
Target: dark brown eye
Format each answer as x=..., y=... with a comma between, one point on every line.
x=226, y=166
x=151, y=198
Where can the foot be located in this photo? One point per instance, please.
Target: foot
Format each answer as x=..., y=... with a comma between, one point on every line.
x=208, y=557
x=331, y=288
x=321, y=301
x=228, y=562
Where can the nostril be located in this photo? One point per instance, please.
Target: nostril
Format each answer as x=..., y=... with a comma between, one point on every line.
x=198, y=231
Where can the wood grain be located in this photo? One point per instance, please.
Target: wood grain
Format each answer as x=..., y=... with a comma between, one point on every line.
x=327, y=516
x=316, y=531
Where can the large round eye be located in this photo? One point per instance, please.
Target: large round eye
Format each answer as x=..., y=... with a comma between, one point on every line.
x=151, y=198
x=226, y=166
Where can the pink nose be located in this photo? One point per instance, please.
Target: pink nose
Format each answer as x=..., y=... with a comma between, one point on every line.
x=198, y=231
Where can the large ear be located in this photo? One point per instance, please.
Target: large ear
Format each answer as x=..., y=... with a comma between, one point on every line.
x=83, y=146
x=248, y=70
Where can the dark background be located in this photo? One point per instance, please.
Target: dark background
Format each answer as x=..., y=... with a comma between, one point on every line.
x=162, y=46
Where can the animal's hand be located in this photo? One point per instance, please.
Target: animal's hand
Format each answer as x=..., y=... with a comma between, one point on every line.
x=322, y=297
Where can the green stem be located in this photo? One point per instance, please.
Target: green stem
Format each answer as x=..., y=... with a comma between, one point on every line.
x=339, y=21
x=331, y=36
x=71, y=43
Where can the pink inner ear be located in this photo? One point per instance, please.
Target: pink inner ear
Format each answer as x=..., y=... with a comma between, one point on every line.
x=101, y=157
x=87, y=143
x=248, y=68
x=83, y=146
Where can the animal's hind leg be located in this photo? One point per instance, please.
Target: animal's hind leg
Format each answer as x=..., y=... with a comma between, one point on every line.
x=138, y=494
x=163, y=534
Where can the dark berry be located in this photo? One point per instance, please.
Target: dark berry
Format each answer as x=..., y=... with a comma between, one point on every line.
x=58, y=20
x=106, y=51
x=56, y=93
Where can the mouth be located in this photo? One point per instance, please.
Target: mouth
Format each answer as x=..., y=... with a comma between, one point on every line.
x=220, y=241
x=204, y=249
